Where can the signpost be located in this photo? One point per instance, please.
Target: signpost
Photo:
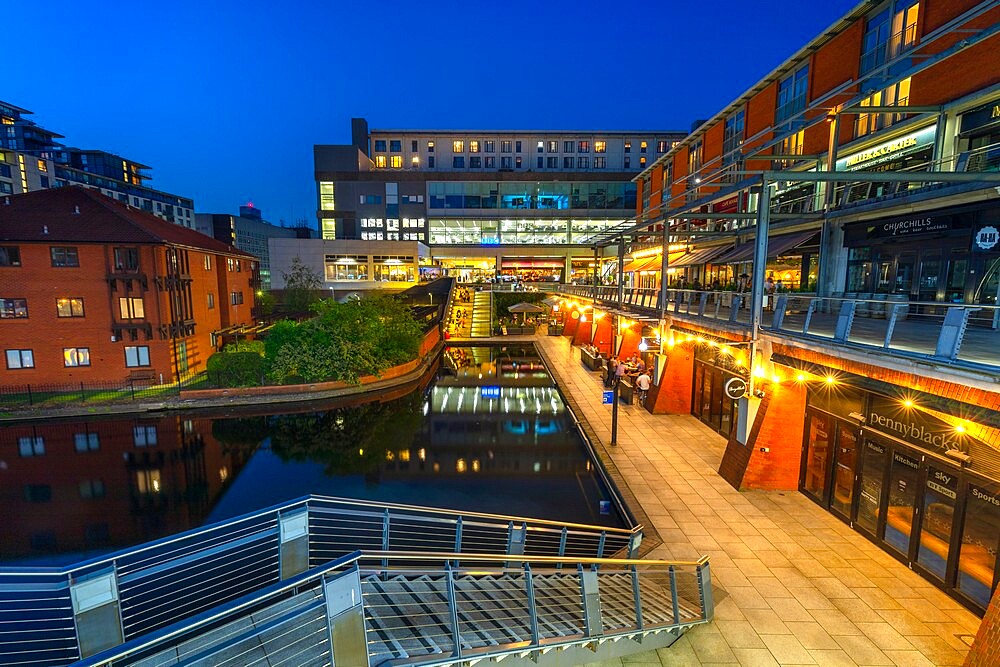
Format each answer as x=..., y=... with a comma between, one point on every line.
x=611, y=397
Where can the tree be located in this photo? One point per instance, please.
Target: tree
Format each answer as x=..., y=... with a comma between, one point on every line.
x=302, y=287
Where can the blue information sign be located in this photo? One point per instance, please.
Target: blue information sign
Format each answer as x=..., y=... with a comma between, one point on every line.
x=609, y=398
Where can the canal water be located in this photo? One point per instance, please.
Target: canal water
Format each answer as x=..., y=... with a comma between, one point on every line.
x=488, y=432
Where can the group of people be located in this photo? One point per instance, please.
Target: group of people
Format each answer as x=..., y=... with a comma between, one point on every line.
x=633, y=366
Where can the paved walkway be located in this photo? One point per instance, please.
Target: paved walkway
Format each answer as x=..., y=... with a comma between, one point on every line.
x=801, y=587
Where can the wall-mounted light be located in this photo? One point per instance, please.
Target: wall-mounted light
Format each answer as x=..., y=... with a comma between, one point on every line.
x=643, y=346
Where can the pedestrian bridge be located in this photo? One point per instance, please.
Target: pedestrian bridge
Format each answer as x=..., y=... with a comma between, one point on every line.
x=332, y=581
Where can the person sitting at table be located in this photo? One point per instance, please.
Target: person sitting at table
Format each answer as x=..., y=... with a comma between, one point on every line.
x=619, y=373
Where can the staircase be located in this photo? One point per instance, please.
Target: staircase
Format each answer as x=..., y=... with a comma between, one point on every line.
x=460, y=316
x=482, y=315
x=446, y=615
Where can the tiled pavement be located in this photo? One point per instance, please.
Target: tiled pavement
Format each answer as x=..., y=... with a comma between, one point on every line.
x=801, y=587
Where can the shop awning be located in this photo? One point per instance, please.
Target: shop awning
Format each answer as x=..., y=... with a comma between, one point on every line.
x=699, y=257
x=651, y=263
x=776, y=245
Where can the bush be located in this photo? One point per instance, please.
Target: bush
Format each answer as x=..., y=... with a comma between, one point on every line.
x=236, y=369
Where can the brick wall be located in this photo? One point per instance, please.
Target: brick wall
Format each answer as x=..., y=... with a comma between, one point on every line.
x=985, y=650
x=673, y=394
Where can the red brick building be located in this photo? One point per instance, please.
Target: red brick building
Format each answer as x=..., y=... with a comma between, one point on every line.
x=92, y=289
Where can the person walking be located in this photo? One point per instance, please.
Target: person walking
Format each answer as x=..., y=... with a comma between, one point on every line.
x=619, y=373
x=642, y=383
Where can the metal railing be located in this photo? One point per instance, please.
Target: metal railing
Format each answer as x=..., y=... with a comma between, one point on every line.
x=428, y=609
x=154, y=585
x=951, y=333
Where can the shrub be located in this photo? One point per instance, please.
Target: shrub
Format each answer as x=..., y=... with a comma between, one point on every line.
x=236, y=369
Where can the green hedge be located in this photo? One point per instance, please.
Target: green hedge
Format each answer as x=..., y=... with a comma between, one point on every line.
x=236, y=369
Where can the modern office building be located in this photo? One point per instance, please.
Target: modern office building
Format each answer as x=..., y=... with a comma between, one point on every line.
x=31, y=159
x=92, y=289
x=477, y=205
x=250, y=233
x=897, y=434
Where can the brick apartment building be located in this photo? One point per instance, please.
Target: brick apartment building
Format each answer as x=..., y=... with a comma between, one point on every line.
x=92, y=289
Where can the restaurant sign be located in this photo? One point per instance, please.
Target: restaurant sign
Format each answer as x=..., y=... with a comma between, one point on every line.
x=986, y=239
x=913, y=426
x=984, y=116
x=909, y=226
x=886, y=152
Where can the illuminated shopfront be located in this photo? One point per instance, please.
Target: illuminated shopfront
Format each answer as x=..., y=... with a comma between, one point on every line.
x=916, y=484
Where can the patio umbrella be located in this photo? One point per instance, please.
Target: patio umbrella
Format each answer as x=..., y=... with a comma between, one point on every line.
x=551, y=301
x=526, y=308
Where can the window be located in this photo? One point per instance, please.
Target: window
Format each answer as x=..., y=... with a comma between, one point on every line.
x=211, y=300
x=430, y=161
x=491, y=162
x=91, y=488
x=458, y=162
x=553, y=146
x=64, y=256
x=473, y=146
x=506, y=162
x=600, y=162
x=792, y=94
x=897, y=95
x=13, y=309
x=642, y=160
x=642, y=146
x=136, y=356
x=517, y=146
x=628, y=146
x=66, y=307
x=732, y=138
x=413, y=146
x=567, y=162
x=628, y=162
x=540, y=162
x=489, y=146
x=76, y=356
x=86, y=442
x=10, y=255
x=380, y=161
x=458, y=146
x=235, y=298
x=40, y=493
x=396, y=161
x=505, y=146
x=583, y=146
x=208, y=261
x=144, y=436
x=415, y=161
x=888, y=34
x=600, y=147
x=20, y=359
x=395, y=146
x=131, y=308
x=380, y=145
x=552, y=162
x=541, y=147
x=126, y=259
x=583, y=163
x=567, y=147
x=31, y=445
x=475, y=162
x=42, y=166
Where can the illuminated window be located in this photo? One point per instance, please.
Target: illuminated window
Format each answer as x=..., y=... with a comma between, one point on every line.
x=430, y=146
x=458, y=146
x=380, y=161
x=583, y=147
x=131, y=308
x=42, y=166
x=396, y=161
x=76, y=356
x=13, y=309
x=642, y=146
x=415, y=161
x=541, y=146
x=628, y=146
x=553, y=146
x=147, y=482
x=642, y=160
x=600, y=147
x=326, y=198
x=473, y=146
x=69, y=307
x=897, y=95
x=790, y=145
x=505, y=147
x=661, y=147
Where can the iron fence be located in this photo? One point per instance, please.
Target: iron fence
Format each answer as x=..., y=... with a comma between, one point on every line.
x=77, y=393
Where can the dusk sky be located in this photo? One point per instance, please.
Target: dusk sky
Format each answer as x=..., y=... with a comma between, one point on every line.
x=225, y=99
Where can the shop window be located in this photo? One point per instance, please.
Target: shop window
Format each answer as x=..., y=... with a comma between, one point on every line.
x=817, y=453
x=870, y=499
x=904, y=473
x=934, y=542
x=845, y=459
x=977, y=554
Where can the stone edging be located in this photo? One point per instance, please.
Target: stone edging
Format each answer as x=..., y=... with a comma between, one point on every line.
x=650, y=537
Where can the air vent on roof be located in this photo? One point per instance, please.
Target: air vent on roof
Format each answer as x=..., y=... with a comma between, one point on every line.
x=76, y=210
x=45, y=230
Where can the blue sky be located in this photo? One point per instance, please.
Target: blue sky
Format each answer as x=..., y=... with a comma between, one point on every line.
x=225, y=98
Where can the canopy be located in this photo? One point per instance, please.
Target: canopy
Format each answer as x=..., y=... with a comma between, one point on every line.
x=524, y=307
x=552, y=301
x=702, y=256
x=776, y=245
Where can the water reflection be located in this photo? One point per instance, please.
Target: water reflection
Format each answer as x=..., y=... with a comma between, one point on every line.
x=489, y=434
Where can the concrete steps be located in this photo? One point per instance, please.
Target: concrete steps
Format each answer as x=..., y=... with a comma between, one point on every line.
x=482, y=315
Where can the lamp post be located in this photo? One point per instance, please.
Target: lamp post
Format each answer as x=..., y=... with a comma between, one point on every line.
x=614, y=387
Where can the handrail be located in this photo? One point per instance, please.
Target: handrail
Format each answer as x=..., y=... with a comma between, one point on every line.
x=417, y=555
x=99, y=560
